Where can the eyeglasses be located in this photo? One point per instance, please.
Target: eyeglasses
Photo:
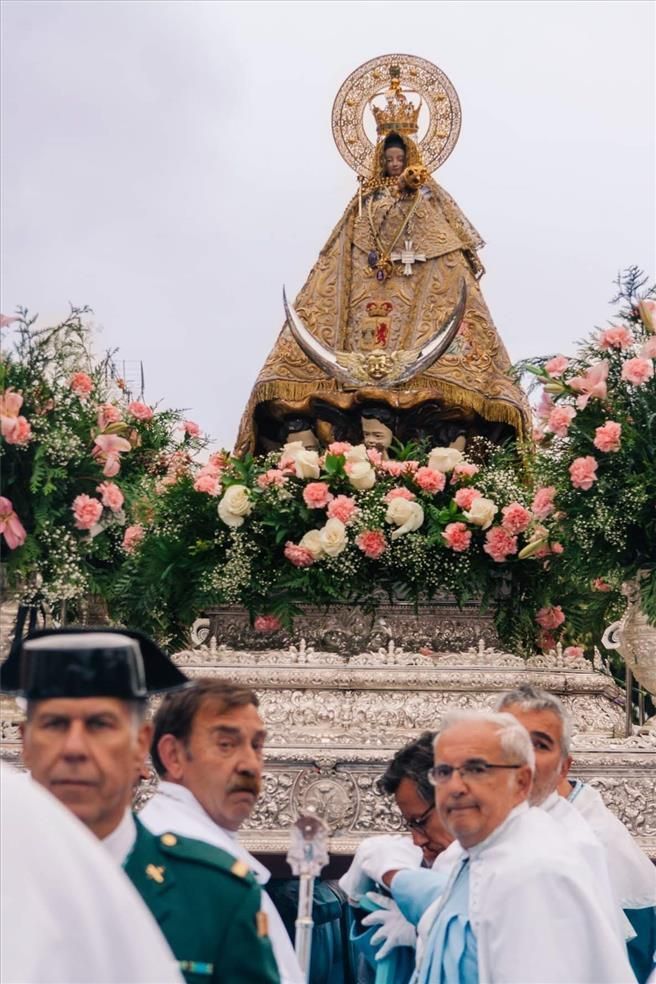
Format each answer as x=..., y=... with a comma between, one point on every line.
x=419, y=823
x=475, y=770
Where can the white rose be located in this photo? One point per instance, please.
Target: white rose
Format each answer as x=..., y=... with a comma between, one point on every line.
x=445, y=459
x=234, y=505
x=406, y=514
x=332, y=537
x=312, y=542
x=357, y=453
x=361, y=475
x=306, y=463
x=482, y=512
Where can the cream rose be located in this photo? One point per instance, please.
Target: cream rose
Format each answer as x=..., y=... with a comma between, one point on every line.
x=332, y=538
x=406, y=514
x=234, y=505
x=445, y=459
x=357, y=453
x=306, y=463
x=482, y=512
x=361, y=475
x=312, y=542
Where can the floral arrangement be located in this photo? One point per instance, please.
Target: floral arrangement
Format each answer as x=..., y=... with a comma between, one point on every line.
x=596, y=453
x=345, y=525
x=81, y=463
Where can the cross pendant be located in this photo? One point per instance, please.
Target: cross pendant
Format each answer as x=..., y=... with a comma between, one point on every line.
x=407, y=256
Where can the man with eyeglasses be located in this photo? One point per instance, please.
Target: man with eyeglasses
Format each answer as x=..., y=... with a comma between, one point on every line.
x=518, y=903
x=629, y=878
x=386, y=929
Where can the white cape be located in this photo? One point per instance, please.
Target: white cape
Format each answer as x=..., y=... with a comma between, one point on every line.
x=69, y=914
x=173, y=807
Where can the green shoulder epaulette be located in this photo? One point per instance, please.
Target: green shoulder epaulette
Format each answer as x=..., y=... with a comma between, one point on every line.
x=189, y=849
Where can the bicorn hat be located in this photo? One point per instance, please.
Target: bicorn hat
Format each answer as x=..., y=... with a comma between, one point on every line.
x=88, y=662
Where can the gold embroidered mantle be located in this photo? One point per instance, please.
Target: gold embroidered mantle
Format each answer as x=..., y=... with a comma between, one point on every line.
x=347, y=308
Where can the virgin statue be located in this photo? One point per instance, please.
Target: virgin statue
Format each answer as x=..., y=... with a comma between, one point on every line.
x=391, y=315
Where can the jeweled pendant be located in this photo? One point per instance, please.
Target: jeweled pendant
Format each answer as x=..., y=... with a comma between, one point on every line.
x=372, y=259
x=380, y=276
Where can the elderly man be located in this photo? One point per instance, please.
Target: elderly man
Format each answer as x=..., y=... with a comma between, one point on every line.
x=548, y=725
x=207, y=749
x=518, y=904
x=85, y=740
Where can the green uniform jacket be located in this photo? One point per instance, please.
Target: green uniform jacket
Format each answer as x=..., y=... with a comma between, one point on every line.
x=207, y=905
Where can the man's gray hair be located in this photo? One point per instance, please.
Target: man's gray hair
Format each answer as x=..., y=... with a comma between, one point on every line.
x=516, y=744
x=530, y=698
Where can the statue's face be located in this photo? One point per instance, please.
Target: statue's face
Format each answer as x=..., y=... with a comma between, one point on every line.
x=376, y=434
x=394, y=162
x=307, y=438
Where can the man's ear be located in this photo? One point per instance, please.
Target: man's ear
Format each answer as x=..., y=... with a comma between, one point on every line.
x=565, y=766
x=524, y=779
x=142, y=748
x=25, y=745
x=172, y=756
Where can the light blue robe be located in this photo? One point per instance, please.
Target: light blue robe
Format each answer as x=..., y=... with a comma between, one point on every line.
x=450, y=953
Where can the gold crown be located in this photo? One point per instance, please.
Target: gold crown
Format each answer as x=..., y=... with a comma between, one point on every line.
x=401, y=115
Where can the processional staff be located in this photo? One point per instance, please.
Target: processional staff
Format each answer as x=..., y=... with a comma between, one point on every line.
x=307, y=855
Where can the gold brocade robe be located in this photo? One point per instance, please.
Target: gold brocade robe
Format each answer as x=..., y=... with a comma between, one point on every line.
x=348, y=309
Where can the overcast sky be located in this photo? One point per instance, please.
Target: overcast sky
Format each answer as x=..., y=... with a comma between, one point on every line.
x=171, y=164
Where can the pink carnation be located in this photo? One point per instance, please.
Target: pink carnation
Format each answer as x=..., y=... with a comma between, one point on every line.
x=87, y=511
x=139, y=410
x=375, y=457
x=557, y=548
x=550, y=617
x=499, y=544
x=107, y=414
x=133, y=537
x=574, y=652
x=267, y=623
x=316, y=495
x=298, y=556
x=465, y=497
x=343, y=508
x=543, y=501
x=545, y=406
x=339, y=447
x=409, y=467
x=600, y=585
x=81, y=384
x=583, y=472
x=537, y=434
x=207, y=483
x=400, y=492
x=560, y=419
x=393, y=468
x=648, y=350
x=456, y=535
x=637, y=371
x=191, y=428
x=464, y=470
x=111, y=495
x=615, y=337
x=18, y=431
x=516, y=518
x=10, y=525
x=372, y=543
x=556, y=366
x=430, y=480
x=271, y=477
x=607, y=438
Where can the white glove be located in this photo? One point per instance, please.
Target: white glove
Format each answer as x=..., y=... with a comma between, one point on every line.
x=389, y=852
x=395, y=930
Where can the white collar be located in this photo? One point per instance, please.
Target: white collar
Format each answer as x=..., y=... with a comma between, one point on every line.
x=550, y=802
x=121, y=840
x=498, y=833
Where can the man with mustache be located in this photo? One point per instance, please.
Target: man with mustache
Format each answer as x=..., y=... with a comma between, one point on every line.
x=208, y=749
x=85, y=740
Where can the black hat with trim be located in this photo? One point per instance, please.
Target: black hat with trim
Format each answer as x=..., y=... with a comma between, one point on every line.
x=88, y=662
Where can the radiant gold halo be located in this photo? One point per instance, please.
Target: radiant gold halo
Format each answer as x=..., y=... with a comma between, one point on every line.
x=372, y=79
